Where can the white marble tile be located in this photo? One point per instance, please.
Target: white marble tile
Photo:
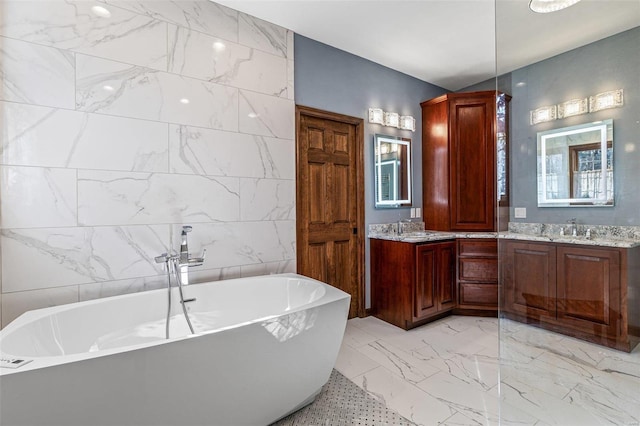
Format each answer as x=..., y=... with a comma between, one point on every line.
x=351, y=363
x=607, y=405
x=377, y=327
x=204, y=16
x=285, y=266
x=66, y=256
x=201, y=151
x=49, y=137
x=127, y=198
x=263, y=35
x=131, y=91
x=404, y=364
x=266, y=115
x=533, y=403
x=404, y=398
x=267, y=199
x=290, y=44
x=71, y=25
x=290, y=80
x=478, y=371
x=198, y=275
x=478, y=405
x=355, y=337
x=241, y=243
x=102, y=289
x=15, y=304
x=37, y=197
x=200, y=56
x=36, y=74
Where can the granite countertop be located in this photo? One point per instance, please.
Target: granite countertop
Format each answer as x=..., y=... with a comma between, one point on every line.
x=602, y=236
x=568, y=239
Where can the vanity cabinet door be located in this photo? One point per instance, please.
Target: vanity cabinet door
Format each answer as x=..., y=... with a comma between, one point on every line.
x=435, y=289
x=589, y=289
x=529, y=271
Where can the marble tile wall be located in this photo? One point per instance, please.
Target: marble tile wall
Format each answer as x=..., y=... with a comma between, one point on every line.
x=119, y=127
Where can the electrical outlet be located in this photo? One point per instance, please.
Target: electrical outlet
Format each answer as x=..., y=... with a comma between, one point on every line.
x=520, y=212
x=413, y=213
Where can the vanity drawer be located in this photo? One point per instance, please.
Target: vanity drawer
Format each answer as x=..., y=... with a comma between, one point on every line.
x=477, y=295
x=478, y=269
x=478, y=247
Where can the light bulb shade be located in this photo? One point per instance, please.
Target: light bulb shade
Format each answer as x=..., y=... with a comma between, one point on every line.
x=606, y=100
x=391, y=119
x=548, y=6
x=573, y=107
x=407, y=122
x=542, y=114
x=376, y=116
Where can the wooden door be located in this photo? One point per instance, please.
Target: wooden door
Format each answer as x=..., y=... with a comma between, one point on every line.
x=589, y=289
x=530, y=279
x=472, y=162
x=329, y=194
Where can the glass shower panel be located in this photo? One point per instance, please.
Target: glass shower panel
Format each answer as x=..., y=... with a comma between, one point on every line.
x=569, y=313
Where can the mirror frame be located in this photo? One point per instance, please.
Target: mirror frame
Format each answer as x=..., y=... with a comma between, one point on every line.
x=605, y=127
x=377, y=170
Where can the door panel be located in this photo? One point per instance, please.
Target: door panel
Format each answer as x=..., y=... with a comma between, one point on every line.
x=446, y=266
x=329, y=201
x=426, y=282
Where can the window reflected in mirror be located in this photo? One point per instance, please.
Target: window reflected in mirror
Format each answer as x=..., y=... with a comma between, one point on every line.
x=575, y=166
x=392, y=171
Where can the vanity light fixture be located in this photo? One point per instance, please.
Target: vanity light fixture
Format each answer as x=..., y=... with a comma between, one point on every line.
x=407, y=122
x=392, y=119
x=548, y=6
x=606, y=100
x=542, y=114
x=573, y=107
x=376, y=116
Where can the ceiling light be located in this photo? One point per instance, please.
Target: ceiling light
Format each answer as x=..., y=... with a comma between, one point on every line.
x=218, y=46
x=101, y=11
x=253, y=115
x=184, y=101
x=108, y=88
x=548, y=6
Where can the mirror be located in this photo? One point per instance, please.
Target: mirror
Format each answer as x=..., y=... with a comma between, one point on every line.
x=392, y=171
x=575, y=166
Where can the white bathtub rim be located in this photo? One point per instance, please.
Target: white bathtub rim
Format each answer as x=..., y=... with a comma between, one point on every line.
x=332, y=294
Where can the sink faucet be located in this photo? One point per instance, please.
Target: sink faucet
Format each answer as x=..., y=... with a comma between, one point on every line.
x=573, y=228
x=185, y=261
x=400, y=223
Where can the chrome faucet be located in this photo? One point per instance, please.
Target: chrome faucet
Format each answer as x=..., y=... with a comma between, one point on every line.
x=185, y=261
x=401, y=222
x=573, y=228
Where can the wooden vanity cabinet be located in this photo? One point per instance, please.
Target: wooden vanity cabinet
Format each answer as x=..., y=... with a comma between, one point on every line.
x=461, y=183
x=573, y=289
x=477, y=276
x=412, y=283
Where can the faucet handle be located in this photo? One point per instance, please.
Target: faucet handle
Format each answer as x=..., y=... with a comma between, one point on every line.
x=198, y=261
x=162, y=258
x=187, y=228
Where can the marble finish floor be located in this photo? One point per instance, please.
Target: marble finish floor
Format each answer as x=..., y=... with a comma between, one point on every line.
x=454, y=372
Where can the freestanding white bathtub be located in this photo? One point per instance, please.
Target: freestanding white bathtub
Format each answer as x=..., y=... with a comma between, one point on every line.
x=263, y=347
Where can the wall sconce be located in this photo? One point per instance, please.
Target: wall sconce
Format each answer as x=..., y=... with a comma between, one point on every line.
x=392, y=119
x=376, y=115
x=573, y=107
x=407, y=122
x=542, y=114
x=606, y=100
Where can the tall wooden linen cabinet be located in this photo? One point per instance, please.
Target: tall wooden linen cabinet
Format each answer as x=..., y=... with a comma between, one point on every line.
x=464, y=162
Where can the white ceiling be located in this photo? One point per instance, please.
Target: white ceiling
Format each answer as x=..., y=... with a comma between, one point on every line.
x=450, y=43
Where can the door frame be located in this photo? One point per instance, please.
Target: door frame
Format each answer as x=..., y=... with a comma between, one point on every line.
x=359, y=135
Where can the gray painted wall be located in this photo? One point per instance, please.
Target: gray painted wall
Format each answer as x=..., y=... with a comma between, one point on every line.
x=337, y=81
x=612, y=63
